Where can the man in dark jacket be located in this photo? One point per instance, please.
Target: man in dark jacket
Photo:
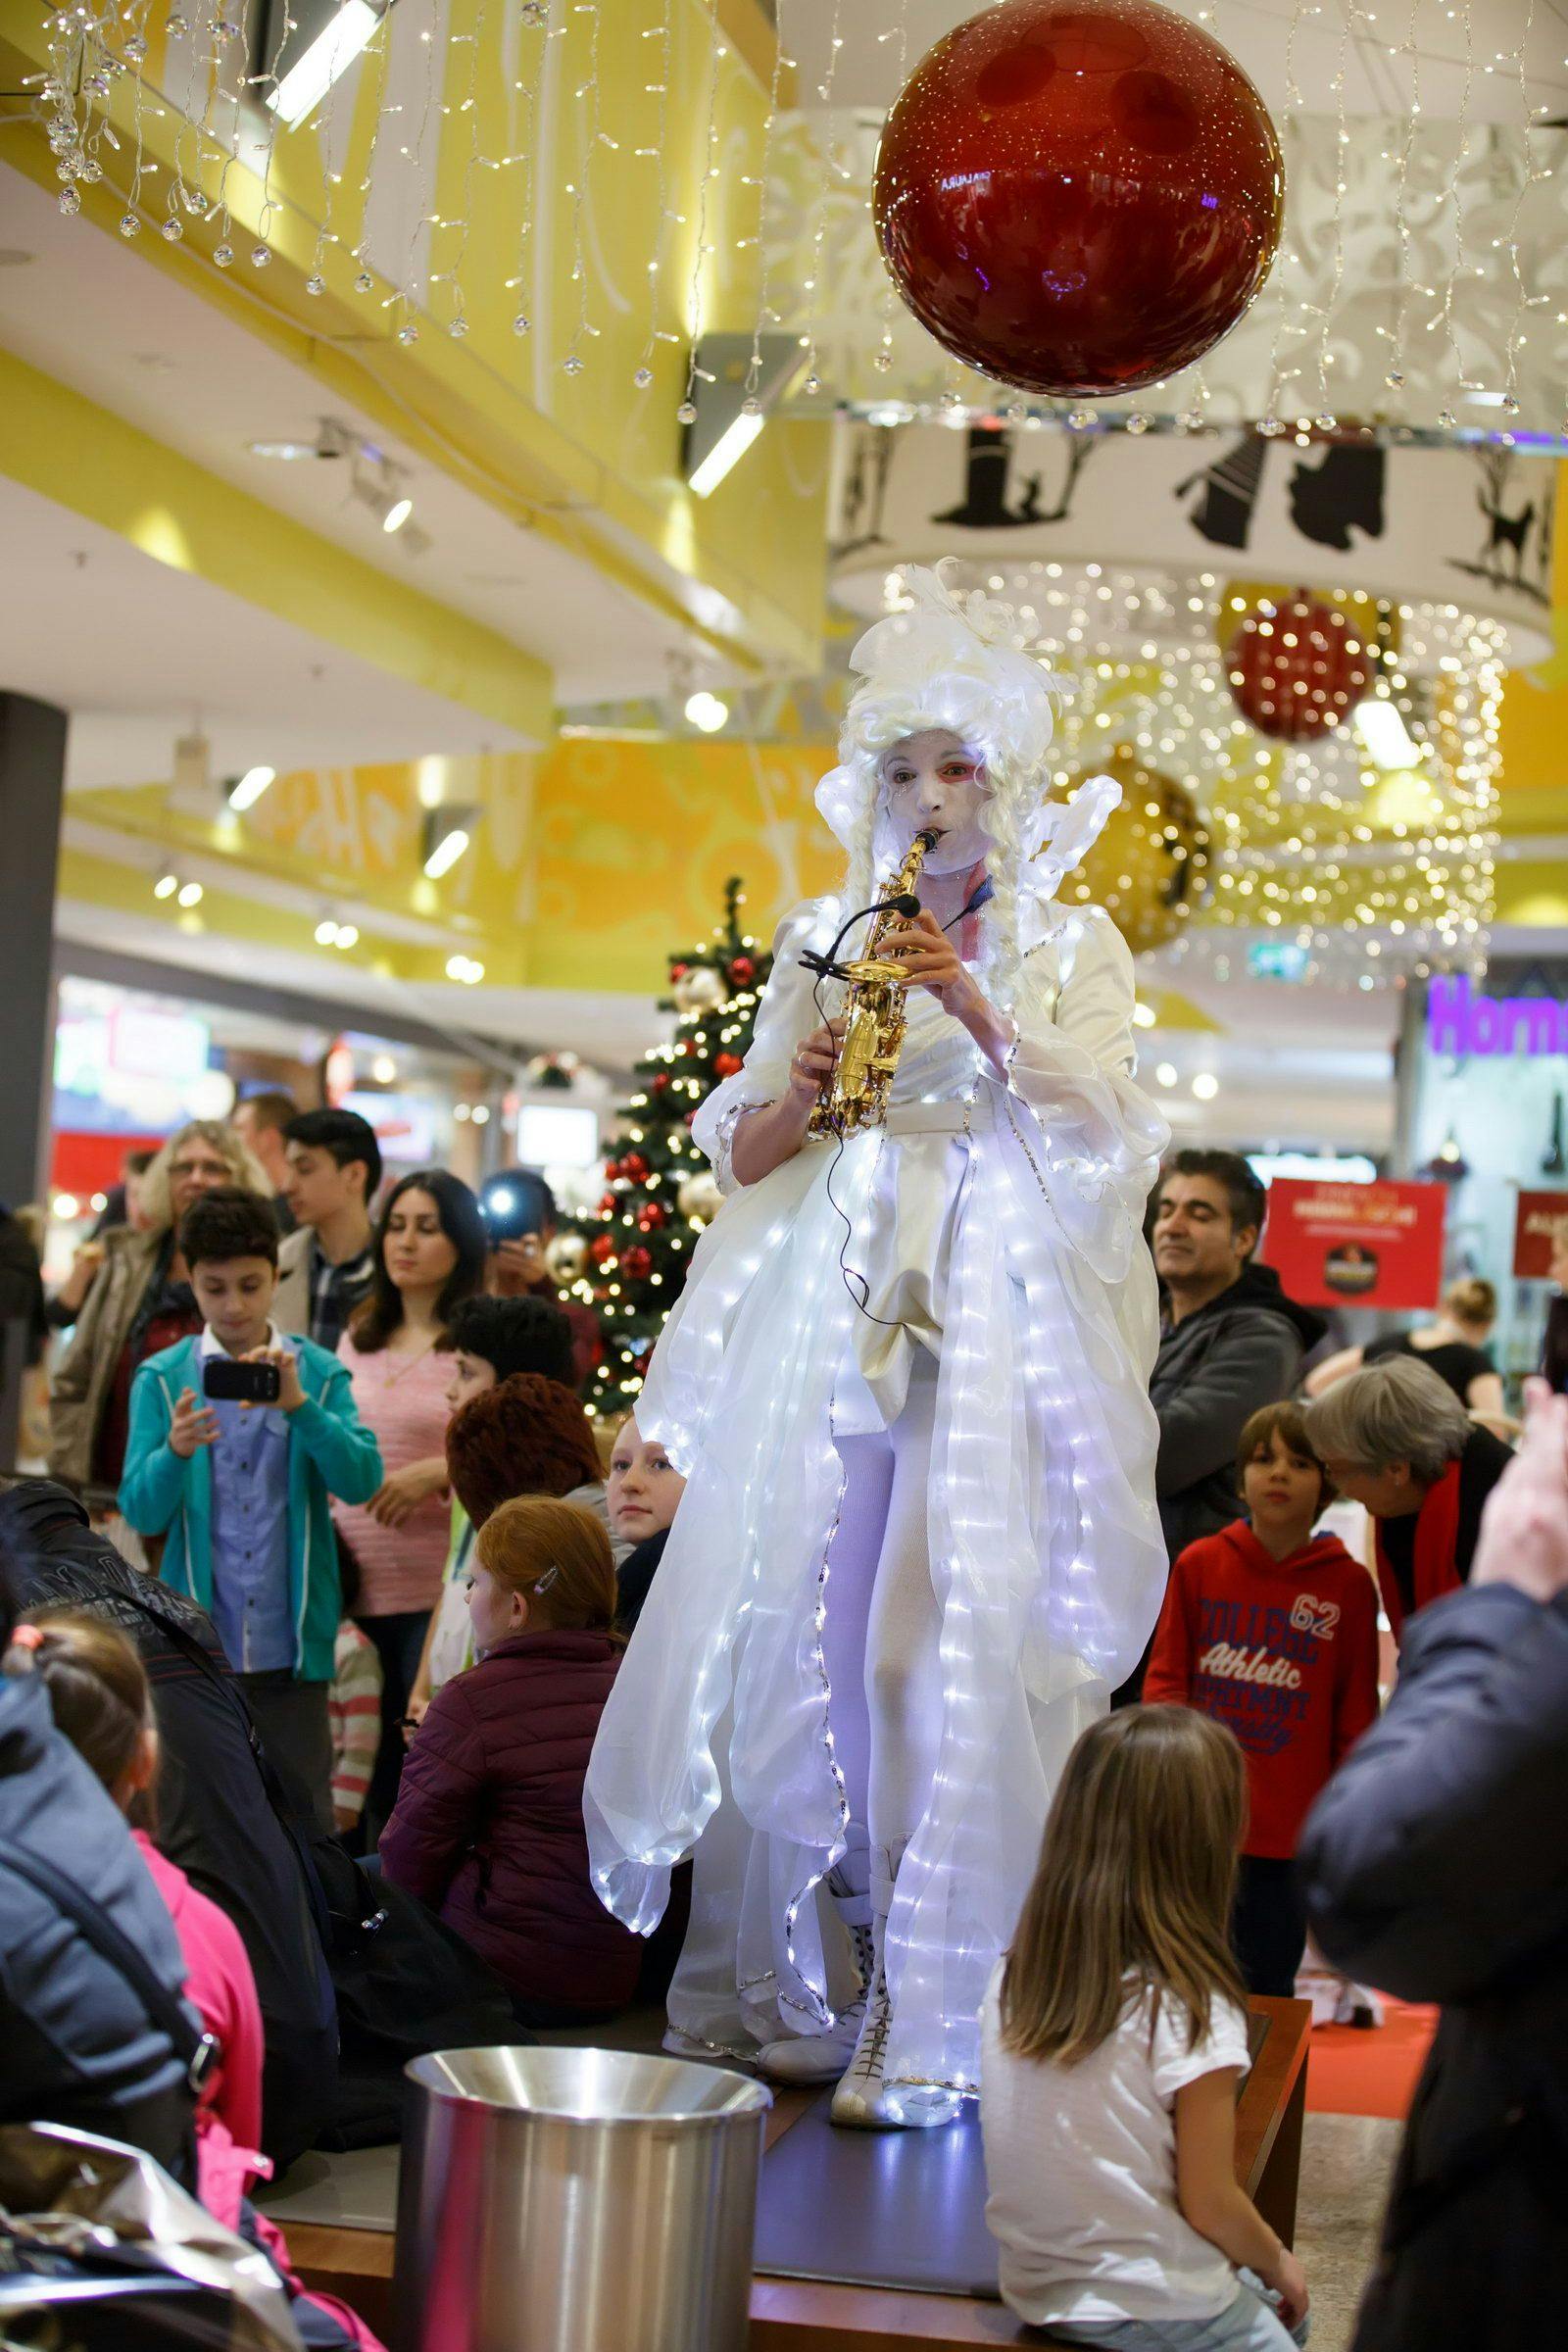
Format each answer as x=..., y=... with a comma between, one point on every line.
x=79, y=2046
x=216, y=1816
x=1230, y=1339
x=1434, y=1864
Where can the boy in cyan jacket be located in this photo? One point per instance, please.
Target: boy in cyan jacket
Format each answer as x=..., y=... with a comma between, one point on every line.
x=240, y=1490
x=1274, y=1630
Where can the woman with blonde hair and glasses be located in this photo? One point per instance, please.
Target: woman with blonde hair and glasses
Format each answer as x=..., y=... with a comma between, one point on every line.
x=140, y=1301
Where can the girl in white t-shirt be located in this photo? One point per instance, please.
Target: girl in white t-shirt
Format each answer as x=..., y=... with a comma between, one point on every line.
x=1113, y=2037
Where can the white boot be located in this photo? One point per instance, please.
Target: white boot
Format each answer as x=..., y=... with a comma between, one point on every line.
x=864, y=2100
x=824, y=2057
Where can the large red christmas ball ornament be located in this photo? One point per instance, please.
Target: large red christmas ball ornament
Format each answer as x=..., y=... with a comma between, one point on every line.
x=601, y=1248
x=637, y=1264
x=1297, y=668
x=742, y=970
x=634, y=1166
x=651, y=1216
x=1078, y=196
x=727, y=1065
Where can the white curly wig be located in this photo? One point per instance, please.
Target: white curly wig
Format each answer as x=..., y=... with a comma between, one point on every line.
x=963, y=661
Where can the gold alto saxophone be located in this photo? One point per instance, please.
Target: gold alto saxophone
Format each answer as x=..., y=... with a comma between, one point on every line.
x=876, y=1016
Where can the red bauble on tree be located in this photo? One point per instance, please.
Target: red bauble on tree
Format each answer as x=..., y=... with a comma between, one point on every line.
x=601, y=1248
x=651, y=1216
x=634, y=1166
x=637, y=1264
x=742, y=970
x=1297, y=668
x=1078, y=196
x=727, y=1065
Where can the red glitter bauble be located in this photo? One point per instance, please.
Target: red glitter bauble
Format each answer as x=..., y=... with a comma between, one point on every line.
x=601, y=1248
x=609, y=1203
x=651, y=1216
x=634, y=1166
x=743, y=970
x=637, y=1264
x=1297, y=668
x=660, y=1082
x=1078, y=196
x=729, y=1066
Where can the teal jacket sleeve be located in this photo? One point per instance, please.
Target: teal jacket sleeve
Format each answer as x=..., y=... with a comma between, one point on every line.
x=343, y=1450
x=152, y=1485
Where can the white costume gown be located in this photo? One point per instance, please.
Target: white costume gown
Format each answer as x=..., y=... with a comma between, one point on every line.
x=998, y=1225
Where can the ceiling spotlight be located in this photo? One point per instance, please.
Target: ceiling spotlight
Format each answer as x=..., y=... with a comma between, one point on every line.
x=383, y=1069
x=250, y=788
x=1167, y=1073
x=465, y=969
x=189, y=894
x=326, y=932
x=481, y=1114
x=1205, y=1086
x=331, y=53
x=332, y=440
x=705, y=710
x=397, y=513
x=1144, y=1016
x=348, y=936
x=380, y=485
x=166, y=886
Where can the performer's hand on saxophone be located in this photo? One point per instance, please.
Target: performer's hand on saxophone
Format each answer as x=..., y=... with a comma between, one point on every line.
x=814, y=1062
x=931, y=960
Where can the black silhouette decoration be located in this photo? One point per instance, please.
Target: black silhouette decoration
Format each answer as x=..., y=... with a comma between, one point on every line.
x=1512, y=537
x=1339, y=496
x=1223, y=514
x=985, y=507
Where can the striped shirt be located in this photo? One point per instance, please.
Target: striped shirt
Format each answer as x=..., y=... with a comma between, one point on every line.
x=353, y=1704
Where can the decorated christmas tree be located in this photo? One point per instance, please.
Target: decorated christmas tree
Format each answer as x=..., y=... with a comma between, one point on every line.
x=662, y=1191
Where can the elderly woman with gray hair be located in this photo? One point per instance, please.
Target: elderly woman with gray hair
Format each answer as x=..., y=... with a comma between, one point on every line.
x=141, y=1300
x=1396, y=1439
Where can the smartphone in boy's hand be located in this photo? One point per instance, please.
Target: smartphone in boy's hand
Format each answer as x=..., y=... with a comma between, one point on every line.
x=242, y=1380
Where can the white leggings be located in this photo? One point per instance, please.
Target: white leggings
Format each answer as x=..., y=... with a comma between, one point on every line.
x=881, y=1641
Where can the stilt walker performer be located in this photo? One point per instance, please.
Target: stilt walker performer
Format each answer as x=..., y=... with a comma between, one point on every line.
x=907, y=1383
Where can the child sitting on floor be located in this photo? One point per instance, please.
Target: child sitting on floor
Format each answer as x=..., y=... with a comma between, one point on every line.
x=488, y=1829
x=1275, y=1633
x=1113, y=2037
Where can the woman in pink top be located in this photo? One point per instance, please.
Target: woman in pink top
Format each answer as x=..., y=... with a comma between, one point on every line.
x=430, y=1255
x=101, y=1702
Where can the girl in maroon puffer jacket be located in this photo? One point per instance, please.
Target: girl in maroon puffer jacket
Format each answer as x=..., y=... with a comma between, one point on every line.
x=488, y=1829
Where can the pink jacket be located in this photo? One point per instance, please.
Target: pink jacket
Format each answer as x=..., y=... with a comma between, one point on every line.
x=228, y=2117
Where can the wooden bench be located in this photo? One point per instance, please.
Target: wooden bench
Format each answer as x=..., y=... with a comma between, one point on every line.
x=790, y=2315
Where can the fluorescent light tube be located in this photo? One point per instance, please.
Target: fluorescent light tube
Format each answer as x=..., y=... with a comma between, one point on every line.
x=443, y=856
x=1387, y=738
x=251, y=786
x=726, y=451
x=331, y=53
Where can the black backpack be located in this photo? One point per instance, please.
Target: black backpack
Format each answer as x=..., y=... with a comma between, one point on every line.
x=406, y=1985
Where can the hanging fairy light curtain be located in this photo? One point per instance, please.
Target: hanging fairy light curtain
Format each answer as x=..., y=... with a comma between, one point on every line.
x=445, y=148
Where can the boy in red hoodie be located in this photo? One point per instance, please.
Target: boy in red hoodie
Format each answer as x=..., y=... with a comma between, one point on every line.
x=1274, y=1633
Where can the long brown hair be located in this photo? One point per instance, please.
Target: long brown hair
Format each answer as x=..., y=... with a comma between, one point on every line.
x=558, y=1556
x=1135, y=1879
x=98, y=1695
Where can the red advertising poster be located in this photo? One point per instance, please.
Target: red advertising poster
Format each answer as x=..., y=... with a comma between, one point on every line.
x=1356, y=1245
x=1542, y=1217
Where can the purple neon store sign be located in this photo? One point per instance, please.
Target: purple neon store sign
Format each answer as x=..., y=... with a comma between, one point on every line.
x=1459, y=1021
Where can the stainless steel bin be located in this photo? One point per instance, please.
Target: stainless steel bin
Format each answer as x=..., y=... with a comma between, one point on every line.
x=557, y=2200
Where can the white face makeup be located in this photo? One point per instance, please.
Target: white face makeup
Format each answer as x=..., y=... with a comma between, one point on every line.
x=935, y=782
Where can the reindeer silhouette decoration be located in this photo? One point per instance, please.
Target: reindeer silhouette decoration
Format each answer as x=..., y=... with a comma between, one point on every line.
x=1513, y=539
